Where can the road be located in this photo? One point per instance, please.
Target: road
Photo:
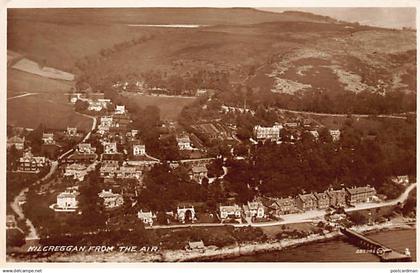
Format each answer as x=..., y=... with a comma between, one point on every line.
x=395, y=116
x=305, y=217
x=33, y=235
x=21, y=96
x=92, y=128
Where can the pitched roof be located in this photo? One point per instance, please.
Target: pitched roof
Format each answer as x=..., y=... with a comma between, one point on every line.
x=196, y=245
x=199, y=169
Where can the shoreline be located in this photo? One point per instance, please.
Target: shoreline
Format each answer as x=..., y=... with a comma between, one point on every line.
x=257, y=248
x=211, y=253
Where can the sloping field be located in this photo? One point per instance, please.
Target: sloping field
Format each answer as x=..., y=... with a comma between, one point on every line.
x=22, y=82
x=62, y=45
x=32, y=110
x=170, y=107
x=47, y=104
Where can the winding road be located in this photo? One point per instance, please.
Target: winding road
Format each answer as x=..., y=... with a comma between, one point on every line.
x=33, y=235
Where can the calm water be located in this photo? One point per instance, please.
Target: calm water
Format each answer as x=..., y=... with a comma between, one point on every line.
x=338, y=250
x=168, y=26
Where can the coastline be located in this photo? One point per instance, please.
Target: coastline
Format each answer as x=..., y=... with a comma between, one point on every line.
x=210, y=253
x=255, y=248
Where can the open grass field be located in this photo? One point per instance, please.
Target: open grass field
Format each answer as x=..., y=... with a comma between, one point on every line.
x=32, y=110
x=170, y=107
x=22, y=82
x=49, y=104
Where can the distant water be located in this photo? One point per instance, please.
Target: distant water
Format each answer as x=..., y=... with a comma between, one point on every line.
x=171, y=26
x=338, y=250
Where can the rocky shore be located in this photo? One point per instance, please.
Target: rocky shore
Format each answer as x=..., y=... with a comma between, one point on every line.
x=210, y=253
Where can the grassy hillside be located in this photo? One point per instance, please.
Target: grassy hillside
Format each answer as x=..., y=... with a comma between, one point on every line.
x=287, y=53
x=200, y=16
x=49, y=105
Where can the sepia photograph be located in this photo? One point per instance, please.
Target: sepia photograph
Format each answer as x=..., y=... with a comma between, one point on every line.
x=211, y=134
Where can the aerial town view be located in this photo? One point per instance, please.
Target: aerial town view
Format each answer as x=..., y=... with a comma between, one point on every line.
x=210, y=135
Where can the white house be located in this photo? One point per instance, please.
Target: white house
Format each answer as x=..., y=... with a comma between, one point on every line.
x=146, y=217
x=111, y=200
x=335, y=134
x=77, y=171
x=66, y=202
x=233, y=211
x=71, y=131
x=182, y=213
x=139, y=149
x=85, y=148
x=95, y=105
x=110, y=147
x=267, y=133
x=120, y=109
x=48, y=138
x=184, y=142
x=254, y=209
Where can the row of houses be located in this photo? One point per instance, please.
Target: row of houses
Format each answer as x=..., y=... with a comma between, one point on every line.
x=181, y=214
x=272, y=133
x=67, y=201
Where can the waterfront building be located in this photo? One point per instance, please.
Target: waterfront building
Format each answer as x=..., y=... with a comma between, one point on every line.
x=233, y=211
x=147, y=217
x=359, y=194
x=182, y=214
x=306, y=201
x=322, y=200
x=337, y=197
x=254, y=209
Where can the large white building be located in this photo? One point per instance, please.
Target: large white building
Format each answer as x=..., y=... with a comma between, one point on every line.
x=267, y=133
x=184, y=142
x=66, y=201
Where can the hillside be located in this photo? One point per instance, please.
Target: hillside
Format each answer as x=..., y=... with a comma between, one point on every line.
x=153, y=16
x=290, y=53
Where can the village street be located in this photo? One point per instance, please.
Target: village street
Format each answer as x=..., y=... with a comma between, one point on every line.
x=305, y=217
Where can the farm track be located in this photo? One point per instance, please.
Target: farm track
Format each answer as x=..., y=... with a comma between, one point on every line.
x=22, y=96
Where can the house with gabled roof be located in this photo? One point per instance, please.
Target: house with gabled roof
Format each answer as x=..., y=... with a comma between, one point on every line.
x=231, y=211
x=306, y=201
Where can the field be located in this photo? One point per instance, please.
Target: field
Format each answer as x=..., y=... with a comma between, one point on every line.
x=22, y=82
x=170, y=107
x=32, y=67
x=48, y=105
x=32, y=110
x=286, y=53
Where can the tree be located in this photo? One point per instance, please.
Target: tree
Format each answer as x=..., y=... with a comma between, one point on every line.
x=81, y=106
x=358, y=218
